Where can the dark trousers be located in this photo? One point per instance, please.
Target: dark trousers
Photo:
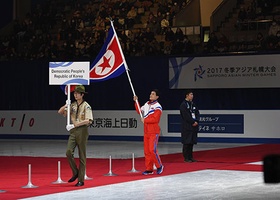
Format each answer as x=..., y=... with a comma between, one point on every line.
x=188, y=151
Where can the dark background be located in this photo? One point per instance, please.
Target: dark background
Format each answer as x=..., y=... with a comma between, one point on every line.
x=6, y=10
x=25, y=86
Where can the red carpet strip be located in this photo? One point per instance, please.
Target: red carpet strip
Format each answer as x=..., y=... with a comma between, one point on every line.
x=14, y=169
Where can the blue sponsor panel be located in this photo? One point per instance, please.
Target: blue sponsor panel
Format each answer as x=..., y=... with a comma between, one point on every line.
x=173, y=123
x=211, y=123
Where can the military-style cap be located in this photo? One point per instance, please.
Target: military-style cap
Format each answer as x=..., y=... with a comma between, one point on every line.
x=80, y=89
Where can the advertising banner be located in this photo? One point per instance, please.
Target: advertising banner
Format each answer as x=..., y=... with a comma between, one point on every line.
x=245, y=71
x=110, y=123
x=211, y=123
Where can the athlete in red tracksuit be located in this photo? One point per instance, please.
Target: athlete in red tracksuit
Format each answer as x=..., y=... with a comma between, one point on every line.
x=151, y=112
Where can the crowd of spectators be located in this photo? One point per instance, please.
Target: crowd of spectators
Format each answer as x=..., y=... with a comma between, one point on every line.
x=261, y=17
x=67, y=30
x=256, y=11
x=76, y=30
x=270, y=41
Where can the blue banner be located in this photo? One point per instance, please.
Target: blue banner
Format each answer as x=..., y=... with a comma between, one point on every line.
x=211, y=123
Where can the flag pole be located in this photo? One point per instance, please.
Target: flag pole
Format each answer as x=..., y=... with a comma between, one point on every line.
x=68, y=104
x=126, y=69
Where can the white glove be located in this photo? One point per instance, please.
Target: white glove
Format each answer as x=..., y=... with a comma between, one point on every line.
x=68, y=102
x=69, y=127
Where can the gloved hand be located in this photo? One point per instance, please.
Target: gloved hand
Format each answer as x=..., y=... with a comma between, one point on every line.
x=69, y=127
x=68, y=102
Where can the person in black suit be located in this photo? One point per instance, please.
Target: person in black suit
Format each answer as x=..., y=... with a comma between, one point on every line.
x=189, y=126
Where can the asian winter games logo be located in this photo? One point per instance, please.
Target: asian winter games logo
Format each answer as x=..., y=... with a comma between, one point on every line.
x=198, y=72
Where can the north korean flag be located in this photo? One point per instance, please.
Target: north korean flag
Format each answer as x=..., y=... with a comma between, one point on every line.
x=110, y=61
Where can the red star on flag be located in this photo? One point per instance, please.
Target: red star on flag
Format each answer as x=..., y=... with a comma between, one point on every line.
x=105, y=63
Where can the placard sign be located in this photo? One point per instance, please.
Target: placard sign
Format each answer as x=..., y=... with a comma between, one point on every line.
x=64, y=73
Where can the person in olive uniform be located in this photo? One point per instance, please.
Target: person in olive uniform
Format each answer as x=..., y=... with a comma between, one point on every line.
x=189, y=126
x=81, y=117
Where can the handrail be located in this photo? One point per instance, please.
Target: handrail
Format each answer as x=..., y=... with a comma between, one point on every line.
x=193, y=18
x=187, y=3
x=181, y=10
x=221, y=12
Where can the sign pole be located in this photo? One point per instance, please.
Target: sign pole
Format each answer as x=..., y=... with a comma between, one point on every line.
x=68, y=104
